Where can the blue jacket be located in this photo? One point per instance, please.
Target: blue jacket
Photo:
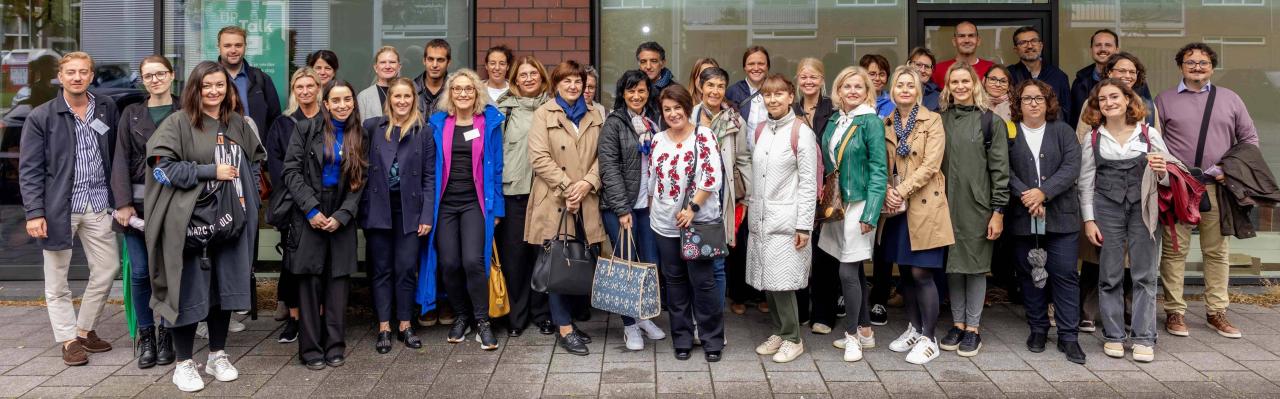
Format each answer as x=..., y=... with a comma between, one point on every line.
x=416, y=156
x=738, y=95
x=1051, y=75
x=490, y=183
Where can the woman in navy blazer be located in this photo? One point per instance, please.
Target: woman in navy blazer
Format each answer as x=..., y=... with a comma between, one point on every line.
x=468, y=202
x=400, y=188
x=1044, y=162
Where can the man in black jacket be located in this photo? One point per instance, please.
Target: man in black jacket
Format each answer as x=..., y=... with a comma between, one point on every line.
x=1102, y=45
x=435, y=64
x=65, y=161
x=258, y=97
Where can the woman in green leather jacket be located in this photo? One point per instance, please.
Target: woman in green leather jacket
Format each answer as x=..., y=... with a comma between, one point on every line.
x=853, y=143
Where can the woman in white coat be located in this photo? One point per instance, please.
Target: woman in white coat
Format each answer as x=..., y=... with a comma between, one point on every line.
x=784, y=172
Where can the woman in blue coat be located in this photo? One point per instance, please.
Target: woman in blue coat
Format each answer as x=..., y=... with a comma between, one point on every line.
x=468, y=201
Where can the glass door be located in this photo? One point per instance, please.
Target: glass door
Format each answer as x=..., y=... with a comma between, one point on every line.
x=933, y=26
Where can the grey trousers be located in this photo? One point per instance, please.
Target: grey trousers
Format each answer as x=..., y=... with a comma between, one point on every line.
x=853, y=282
x=968, y=293
x=1122, y=229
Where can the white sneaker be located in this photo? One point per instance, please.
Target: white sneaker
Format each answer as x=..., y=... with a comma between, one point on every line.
x=651, y=331
x=1143, y=353
x=788, y=352
x=202, y=330
x=770, y=346
x=220, y=367
x=819, y=328
x=235, y=326
x=631, y=334
x=186, y=377
x=852, y=348
x=905, y=341
x=923, y=351
x=866, y=342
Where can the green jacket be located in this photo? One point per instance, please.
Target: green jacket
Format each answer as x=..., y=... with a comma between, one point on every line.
x=517, y=174
x=863, y=167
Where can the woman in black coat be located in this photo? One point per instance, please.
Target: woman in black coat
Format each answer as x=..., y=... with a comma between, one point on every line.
x=1044, y=163
x=324, y=171
x=401, y=186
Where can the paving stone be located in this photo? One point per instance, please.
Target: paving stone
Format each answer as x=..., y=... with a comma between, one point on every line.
x=519, y=374
x=1243, y=350
x=1063, y=370
x=497, y=391
x=970, y=389
x=469, y=364
x=955, y=371
x=1172, y=370
x=684, y=382
x=1085, y=389
x=1201, y=389
x=667, y=362
x=566, y=363
x=857, y=390
x=737, y=371
x=1209, y=361
x=385, y=389
x=563, y=384
x=12, y=356
x=1019, y=381
x=1268, y=370
x=82, y=376
x=54, y=392
x=1243, y=382
x=270, y=346
x=997, y=361
x=846, y=371
x=261, y=364
x=167, y=390
x=459, y=386
x=626, y=373
x=297, y=374
x=909, y=382
x=628, y=390
x=120, y=386
x=742, y=389
x=1132, y=381
x=615, y=353
x=14, y=386
x=410, y=369
x=796, y=382
x=1101, y=363
x=41, y=365
x=526, y=354
x=884, y=360
x=246, y=385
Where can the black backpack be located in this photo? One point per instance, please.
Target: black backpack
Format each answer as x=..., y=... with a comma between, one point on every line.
x=220, y=210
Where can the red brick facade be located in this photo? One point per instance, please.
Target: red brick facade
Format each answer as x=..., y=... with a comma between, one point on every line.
x=552, y=30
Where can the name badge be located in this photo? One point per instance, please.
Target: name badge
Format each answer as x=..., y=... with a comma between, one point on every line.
x=471, y=135
x=99, y=127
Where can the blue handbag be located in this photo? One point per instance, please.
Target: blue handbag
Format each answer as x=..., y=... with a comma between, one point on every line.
x=625, y=286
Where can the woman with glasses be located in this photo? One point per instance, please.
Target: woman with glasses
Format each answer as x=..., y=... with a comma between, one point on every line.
x=878, y=69
x=922, y=61
x=996, y=84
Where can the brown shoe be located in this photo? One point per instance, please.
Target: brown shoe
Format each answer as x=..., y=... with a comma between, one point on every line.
x=1220, y=323
x=93, y=344
x=763, y=307
x=738, y=308
x=1175, y=324
x=74, y=354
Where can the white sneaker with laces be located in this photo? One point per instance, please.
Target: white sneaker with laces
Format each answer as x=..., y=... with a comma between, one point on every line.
x=235, y=326
x=631, y=334
x=867, y=342
x=852, y=348
x=905, y=341
x=788, y=352
x=202, y=330
x=770, y=346
x=186, y=377
x=819, y=328
x=923, y=351
x=651, y=331
x=220, y=367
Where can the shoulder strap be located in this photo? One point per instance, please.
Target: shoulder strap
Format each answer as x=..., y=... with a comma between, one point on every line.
x=986, y=129
x=1011, y=128
x=795, y=137
x=1146, y=137
x=1204, y=125
x=844, y=142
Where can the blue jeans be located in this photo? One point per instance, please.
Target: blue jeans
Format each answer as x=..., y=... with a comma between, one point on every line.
x=646, y=248
x=139, y=279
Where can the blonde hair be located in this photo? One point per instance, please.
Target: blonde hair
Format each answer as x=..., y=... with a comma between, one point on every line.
x=415, y=117
x=76, y=55
x=851, y=72
x=381, y=50
x=304, y=72
x=947, y=100
x=445, y=102
x=816, y=65
x=908, y=71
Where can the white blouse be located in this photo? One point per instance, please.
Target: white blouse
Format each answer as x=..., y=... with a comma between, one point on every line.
x=669, y=168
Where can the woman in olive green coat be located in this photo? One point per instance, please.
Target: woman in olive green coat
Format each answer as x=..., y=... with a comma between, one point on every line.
x=977, y=168
x=854, y=137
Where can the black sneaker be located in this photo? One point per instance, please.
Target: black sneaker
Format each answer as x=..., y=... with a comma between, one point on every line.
x=290, y=332
x=459, y=331
x=1035, y=342
x=484, y=335
x=1072, y=350
x=573, y=344
x=970, y=343
x=879, y=315
x=952, y=340
x=164, y=347
x=840, y=310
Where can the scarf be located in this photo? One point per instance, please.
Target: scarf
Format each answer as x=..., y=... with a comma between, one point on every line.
x=574, y=112
x=902, y=131
x=644, y=132
x=664, y=79
x=999, y=100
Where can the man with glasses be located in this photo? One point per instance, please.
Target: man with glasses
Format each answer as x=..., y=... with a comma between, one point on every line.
x=1102, y=45
x=966, y=42
x=1201, y=122
x=1029, y=43
x=922, y=61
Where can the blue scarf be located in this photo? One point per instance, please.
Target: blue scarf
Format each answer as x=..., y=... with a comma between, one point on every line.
x=664, y=79
x=903, y=130
x=574, y=112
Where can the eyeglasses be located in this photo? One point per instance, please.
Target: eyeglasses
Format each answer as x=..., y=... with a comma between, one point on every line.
x=1021, y=43
x=920, y=65
x=463, y=89
x=1032, y=100
x=155, y=76
x=998, y=81
x=881, y=75
x=1194, y=64
x=1125, y=72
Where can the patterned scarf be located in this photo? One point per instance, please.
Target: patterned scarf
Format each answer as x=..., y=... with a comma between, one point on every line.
x=902, y=131
x=664, y=79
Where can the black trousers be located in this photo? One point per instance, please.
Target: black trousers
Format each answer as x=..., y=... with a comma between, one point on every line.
x=393, y=256
x=824, y=288
x=322, y=336
x=881, y=280
x=737, y=288
x=287, y=284
x=518, y=258
x=1062, y=288
x=692, y=295
x=460, y=250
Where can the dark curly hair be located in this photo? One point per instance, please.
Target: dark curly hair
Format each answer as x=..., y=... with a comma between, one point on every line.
x=1051, y=106
x=1203, y=47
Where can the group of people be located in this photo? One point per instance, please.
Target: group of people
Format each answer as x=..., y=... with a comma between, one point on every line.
x=929, y=163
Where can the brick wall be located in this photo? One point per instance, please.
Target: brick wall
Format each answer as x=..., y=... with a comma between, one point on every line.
x=552, y=30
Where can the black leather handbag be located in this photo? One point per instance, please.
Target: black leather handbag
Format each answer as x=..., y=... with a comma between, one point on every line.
x=567, y=263
x=220, y=211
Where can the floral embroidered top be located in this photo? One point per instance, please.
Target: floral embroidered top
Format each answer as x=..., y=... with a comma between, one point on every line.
x=669, y=168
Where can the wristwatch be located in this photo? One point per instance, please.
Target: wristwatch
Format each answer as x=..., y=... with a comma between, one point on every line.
x=694, y=206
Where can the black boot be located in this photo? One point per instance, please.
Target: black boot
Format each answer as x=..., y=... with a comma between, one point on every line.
x=164, y=347
x=146, y=347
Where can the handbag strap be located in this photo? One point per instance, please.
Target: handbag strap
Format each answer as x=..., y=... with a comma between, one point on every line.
x=844, y=142
x=1204, y=126
x=495, y=263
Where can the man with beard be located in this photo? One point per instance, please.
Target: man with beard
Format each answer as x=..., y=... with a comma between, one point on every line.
x=435, y=63
x=258, y=97
x=966, y=41
x=1102, y=45
x=1029, y=43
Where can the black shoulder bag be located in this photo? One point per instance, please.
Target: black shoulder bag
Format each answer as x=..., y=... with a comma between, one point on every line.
x=1205, y=206
x=220, y=211
x=567, y=263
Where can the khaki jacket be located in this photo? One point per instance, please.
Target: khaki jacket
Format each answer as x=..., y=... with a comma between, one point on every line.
x=560, y=158
x=921, y=181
